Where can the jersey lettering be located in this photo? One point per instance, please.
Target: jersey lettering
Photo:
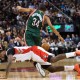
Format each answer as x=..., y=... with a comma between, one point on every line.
x=35, y=22
x=36, y=14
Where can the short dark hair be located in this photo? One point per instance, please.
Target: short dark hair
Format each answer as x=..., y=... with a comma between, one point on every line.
x=42, y=7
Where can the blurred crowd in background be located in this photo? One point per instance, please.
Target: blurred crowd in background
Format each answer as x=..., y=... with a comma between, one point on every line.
x=12, y=24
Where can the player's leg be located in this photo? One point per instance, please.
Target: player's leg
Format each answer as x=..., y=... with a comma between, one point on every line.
x=40, y=55
x=57, y=58
x=52, y=69
x=61, y=56
x=32, y=39
x=29, y=39
x=49, y=58
x=37, y=39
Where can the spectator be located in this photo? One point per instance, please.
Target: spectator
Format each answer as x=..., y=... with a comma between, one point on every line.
x=77, y=39
x=68, y=38
x=5, y=45
x=17, y=41
x=73, y=38
x=8, y=36
x=11, y=43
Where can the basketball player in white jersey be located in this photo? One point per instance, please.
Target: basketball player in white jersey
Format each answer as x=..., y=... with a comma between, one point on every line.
x=38, y=54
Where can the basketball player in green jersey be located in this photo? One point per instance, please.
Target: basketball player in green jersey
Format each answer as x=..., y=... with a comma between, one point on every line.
x=34, y=23
x=36, y=20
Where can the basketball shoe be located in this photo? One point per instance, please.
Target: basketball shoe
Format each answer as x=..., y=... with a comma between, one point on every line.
x=40, y=70
x=77, y=69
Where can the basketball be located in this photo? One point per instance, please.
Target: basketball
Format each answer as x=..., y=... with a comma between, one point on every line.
x=45, y=46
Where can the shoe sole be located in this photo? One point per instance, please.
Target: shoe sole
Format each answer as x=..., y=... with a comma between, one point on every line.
x=40, y=70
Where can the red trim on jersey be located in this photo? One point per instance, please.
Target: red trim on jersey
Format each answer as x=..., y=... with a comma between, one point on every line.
x=40, y=53
x=22, y=51
x=35, y=50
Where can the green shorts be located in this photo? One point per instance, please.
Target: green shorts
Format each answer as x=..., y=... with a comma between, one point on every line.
x=32, y=38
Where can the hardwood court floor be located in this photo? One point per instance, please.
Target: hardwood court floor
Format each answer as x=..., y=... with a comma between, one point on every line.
x=37, y=76
x=34, y=75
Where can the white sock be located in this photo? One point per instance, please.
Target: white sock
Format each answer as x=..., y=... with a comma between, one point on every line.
x=70, y=54
x=68, y=68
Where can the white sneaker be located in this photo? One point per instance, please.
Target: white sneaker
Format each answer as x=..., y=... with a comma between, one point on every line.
x=40, y=70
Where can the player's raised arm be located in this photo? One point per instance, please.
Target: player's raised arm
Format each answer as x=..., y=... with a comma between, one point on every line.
x=10, y=58
x=21, y=9
x=46, y=18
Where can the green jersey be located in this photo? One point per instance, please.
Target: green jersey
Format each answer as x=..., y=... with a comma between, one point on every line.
x=34, y=22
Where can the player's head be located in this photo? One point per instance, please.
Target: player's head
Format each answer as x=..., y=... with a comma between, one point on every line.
x=45, y=46
x=42, y=7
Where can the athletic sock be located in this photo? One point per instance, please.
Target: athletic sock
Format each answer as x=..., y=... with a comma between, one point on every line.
x=70, y=54
x=68, y=68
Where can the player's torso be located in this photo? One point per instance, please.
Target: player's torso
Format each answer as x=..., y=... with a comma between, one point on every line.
x=34, y=23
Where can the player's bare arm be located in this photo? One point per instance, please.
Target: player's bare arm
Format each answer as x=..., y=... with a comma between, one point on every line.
x=21, y=9
x=10, y=58
x=52, y=27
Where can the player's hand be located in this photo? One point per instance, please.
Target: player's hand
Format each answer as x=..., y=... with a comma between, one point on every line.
x=61, y=39
x=18, y=7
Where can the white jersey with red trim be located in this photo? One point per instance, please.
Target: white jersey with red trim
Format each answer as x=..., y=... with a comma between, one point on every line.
x=34, y=53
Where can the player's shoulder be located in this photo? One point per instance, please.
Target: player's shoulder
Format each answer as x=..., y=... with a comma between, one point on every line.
x=32, y=9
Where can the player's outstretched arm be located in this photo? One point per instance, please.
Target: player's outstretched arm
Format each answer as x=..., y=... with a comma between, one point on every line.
x=52, y=27
x=21, y=9
x=10, y=58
